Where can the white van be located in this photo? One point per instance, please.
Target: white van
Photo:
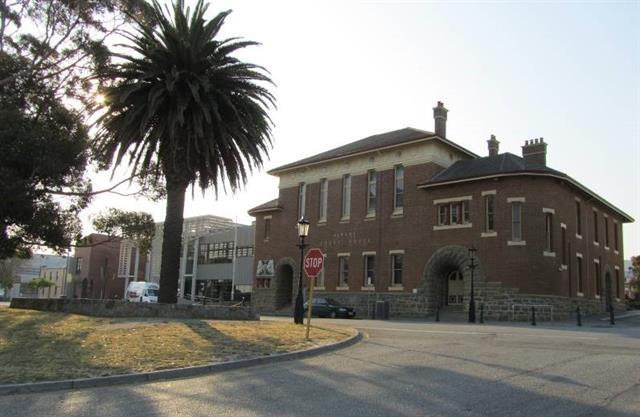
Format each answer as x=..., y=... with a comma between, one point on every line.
x=142, y=292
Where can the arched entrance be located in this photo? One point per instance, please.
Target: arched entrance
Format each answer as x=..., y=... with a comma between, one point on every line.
x=446, y=279
x=283, y=286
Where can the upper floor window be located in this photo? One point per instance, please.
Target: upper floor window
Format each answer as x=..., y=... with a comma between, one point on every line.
x=324, y=192
x=578, y=219
x=78, y=265
x=398, y=195
x=596, y=239
x=579, y=274
x=372, y=182
x=267, y=228
x=596, y=271
x=346, y=196
x=615, y=236
x=453, y=213
x=548, y=232
x=302, y=194
x=606, y=232
x=516, y=221
x=619, y=285
x=563, y=238
x=489, y=213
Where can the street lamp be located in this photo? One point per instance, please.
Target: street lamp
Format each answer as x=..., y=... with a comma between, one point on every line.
x=303, y=231
x=472, y=302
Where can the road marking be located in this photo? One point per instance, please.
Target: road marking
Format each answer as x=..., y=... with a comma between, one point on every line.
x=478, y=333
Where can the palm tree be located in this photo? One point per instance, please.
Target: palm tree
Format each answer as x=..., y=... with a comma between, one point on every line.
x=182, y=108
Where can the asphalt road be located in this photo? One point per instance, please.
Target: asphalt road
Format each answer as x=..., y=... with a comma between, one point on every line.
x=400, y=369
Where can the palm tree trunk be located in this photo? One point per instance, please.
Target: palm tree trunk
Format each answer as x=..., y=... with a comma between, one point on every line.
x=171, y=242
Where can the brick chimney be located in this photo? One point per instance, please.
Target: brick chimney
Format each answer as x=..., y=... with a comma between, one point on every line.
x=534, y=151
x=440, y=116
x=493, y=145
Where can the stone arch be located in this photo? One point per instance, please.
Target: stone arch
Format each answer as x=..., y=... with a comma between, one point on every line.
x=440, y=265
x=285, y=273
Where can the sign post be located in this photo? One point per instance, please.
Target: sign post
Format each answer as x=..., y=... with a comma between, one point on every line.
x=313, y=264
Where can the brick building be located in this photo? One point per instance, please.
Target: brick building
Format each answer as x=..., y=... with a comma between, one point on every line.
x=395, y=214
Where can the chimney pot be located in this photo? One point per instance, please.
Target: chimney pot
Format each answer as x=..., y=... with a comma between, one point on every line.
x=534, y=152
x=494, y=146
x=440, y=118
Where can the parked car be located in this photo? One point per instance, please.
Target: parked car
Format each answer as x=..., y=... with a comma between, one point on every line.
x=328, y=307
x=142, y=292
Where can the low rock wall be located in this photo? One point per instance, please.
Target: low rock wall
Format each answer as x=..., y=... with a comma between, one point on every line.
x=114, y=308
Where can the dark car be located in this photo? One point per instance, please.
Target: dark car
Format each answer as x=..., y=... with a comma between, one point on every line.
x=328, y=307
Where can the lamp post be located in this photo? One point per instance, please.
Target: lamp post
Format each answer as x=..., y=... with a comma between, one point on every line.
x=472, y=302
x=303, y=231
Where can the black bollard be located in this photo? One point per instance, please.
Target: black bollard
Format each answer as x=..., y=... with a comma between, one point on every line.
x=578, y=316
x=481, y=313
x=437, y=313
x=533, y=316
x=612, y=319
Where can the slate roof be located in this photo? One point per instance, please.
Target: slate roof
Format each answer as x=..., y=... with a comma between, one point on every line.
x=383, y=140
x=268, y=206
x=503, y=163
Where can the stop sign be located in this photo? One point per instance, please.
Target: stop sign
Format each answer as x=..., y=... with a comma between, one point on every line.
x=313, y=262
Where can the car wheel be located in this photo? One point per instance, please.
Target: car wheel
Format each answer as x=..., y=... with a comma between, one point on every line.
x=333, y=314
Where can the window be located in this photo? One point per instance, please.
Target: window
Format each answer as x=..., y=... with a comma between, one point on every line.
x=615, y=235
x=516, y=221
x=606, y=232
x=324, y=188
x=398, y=195
x=267, y=228
x=618, y=284
x=578, y=219
x=563, y=238
x=396, y=270
x=343, y=271
x=372, y=181
x=579, y=274
x=203, y=253
x=596, y=270
x=346, y=196
x=595, y=227
x=454, y=213
x=489, y=213
x=302, y=194
x=369, y=270
x=548, y=232
x=78, y=265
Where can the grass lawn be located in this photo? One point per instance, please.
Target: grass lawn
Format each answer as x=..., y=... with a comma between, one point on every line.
x=38, y=346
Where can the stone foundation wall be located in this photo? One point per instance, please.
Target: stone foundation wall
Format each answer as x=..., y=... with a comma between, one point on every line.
x=113, y=308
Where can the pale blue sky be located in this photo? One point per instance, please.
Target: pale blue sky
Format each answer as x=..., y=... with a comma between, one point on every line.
x=568, y=72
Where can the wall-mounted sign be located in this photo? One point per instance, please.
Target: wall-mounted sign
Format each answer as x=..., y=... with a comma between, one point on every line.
x=265, y=268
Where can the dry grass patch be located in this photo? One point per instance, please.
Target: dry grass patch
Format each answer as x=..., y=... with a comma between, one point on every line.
x=37, y=346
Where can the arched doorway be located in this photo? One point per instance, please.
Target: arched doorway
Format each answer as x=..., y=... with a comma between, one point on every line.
x=283, y=286
x=446, y=279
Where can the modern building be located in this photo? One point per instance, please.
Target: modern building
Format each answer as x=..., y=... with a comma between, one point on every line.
x=223, y=265
x=191, y=227
x=104, y=267
x=396, y=215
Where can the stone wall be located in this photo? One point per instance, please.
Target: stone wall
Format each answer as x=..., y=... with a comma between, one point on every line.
x=113, y=308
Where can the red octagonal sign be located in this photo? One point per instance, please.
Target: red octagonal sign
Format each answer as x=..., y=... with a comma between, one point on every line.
x=313, y=262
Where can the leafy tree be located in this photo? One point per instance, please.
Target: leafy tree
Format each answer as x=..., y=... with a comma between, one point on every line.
x=132, y=225
x=48, y=49
x=8, y=273
x=40, y=282
x=634, y=283
x=180, y=100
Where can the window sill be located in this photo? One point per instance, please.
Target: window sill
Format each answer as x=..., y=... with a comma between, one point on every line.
x=617, y=299
x=596, y=244
x=343, y=288
x=597, y=297
x=578, y=236
x=580, y=294
x=322, y=288
x=369, y=218
x=615, y=252
x=396, y=288
x=453, y=226
x=516, y=243
x=606, y=248
x=563, y=267
x=489, y=234
x=368, y=288
x=549, y=254
x=344, y=220
x=322, y=222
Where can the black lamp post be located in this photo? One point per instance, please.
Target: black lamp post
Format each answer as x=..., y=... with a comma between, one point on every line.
x=298, y=312
x=472, y=301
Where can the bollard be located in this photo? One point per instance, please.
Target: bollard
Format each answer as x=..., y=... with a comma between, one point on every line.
x=437, y=314
x=481, y=313
x=578, y=316
x=533, y=316
x=612, y=319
